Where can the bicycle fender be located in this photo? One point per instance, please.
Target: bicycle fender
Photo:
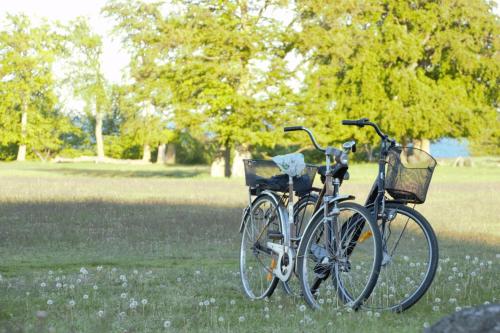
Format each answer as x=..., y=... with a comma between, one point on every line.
x=281, y=210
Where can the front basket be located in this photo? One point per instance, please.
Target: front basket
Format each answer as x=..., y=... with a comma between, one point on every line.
x=409, y=173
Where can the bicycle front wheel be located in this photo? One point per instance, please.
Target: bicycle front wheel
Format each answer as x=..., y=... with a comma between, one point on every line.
x=410, y=259
x=262, y=224
x=331, y=278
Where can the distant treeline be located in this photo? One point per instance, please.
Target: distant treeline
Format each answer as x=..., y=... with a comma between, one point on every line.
x=214, y=76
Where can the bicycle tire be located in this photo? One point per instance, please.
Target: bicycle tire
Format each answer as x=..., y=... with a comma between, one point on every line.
x=409, y=259
x=266, y=210
x=311, y=279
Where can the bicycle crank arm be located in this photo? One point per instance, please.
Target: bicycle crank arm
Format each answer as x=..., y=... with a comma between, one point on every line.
x=284, y=268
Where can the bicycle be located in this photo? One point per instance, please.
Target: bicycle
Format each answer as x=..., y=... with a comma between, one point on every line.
x=321, y=254
x=270, y=231
x=409, y=244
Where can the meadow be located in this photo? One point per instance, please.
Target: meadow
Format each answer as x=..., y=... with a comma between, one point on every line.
x=107, y=248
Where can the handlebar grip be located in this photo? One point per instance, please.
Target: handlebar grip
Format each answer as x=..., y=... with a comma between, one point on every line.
x=293, y=128
x=360, y=122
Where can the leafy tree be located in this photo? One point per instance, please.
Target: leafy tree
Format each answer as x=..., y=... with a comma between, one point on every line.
x=141, y=25
x=224, y=71
x=86, y=76
x=28, y=113
x=422, y=69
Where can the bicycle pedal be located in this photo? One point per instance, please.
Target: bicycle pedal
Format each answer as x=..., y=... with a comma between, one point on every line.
x=274, y=235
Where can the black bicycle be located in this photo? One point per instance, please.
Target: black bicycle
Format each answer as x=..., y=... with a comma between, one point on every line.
x=409, y=244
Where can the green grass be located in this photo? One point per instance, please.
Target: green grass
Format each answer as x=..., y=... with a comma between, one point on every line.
x=173, y=233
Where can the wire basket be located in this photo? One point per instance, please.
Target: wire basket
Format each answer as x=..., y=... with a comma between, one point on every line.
x=266, y=175
x=409, y=173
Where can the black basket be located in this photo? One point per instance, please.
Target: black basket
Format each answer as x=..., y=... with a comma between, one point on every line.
x=266, y=175
x=409, y=173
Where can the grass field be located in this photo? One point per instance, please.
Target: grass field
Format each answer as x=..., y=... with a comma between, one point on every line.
x=98, y=248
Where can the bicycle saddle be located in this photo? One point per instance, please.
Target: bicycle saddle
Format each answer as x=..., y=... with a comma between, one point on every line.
x=290, y=164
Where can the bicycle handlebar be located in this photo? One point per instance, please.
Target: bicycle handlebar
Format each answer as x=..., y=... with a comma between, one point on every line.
x=293, y=128
x=360, y=123
x=311, y=136
x=366, y=122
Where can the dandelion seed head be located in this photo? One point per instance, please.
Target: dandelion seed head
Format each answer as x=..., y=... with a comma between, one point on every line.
x=179, y=279
x=84, y=271
x=43, y=285
x=435, y=308
x=206, y=302
x=220, y=319
x=50, y=302
x=427, y=325
x=123, y=295
x=71, y=303
x=241, y=319
x=212, y=300
x=458, y=308
x=95, y=287
x=167, y=323
x=376, y=314
x=302, y=308
x=144, y=301
x=136, y=271
x=85, y=296
x=100, y=313
x=58, y=285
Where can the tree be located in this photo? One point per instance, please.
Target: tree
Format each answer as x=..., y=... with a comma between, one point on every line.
x=422, y=70
x=28, y=113
x=86, y=77
x=141, y=26
x=223, y=71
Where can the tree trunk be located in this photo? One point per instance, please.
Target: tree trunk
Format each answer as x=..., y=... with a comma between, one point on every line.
x=170, y=159
x=98, y=136
x=146, y=153
x=423, y=144
x=227, y=160
x=160, y=158
x=21, y=153
x=238, y=168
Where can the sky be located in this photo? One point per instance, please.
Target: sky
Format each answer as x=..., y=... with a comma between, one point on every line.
x=114, y=57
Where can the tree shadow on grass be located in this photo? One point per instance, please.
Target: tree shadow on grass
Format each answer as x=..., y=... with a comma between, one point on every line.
x=92, y=172
x=46, y=233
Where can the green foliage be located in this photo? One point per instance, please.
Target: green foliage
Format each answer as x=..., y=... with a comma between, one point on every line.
x=421, y=69
x=27, y=87
x=145, y=102
x=212, y=74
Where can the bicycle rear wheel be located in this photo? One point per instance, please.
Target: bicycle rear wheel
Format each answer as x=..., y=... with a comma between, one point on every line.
x=410, y=259
x=257, y=261
x=331, y=281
